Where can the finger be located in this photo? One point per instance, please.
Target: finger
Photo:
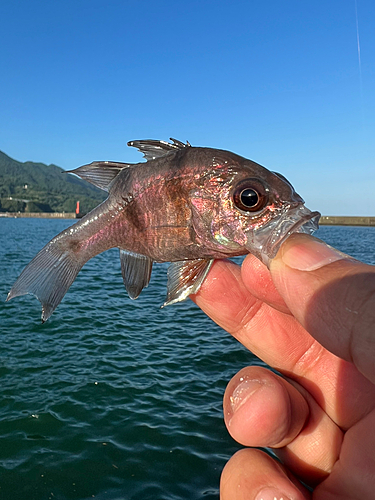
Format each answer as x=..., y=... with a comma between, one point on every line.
x=353, y=476
x=254, y=475
x=283, y=343
x=258, y=280
x=331, y=295
x=262, y=409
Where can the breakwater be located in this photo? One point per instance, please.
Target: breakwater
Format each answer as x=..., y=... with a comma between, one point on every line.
x=336, y=220
x=43, y=215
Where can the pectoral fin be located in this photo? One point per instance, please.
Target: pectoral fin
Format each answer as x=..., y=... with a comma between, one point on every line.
x=136, y=272
x=184, y=278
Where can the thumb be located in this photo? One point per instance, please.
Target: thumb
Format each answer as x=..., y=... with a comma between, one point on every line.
x=332, y=295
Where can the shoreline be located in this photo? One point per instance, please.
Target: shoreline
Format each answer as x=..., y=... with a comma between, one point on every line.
x=342, y=220
x=40, y=215
x=325, y=220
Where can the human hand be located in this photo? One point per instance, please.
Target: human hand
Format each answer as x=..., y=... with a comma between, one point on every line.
x=312, y=318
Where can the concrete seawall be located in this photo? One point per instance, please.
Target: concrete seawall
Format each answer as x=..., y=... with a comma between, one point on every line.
x=325, y=220
x=44, y=215
x=336, y=220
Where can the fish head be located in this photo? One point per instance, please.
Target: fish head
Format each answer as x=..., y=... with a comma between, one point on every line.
x=241, y=207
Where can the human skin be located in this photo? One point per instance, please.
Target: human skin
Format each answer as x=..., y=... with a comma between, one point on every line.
x=312, y=318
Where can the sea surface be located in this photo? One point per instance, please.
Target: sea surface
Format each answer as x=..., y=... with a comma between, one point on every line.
x=114, y=398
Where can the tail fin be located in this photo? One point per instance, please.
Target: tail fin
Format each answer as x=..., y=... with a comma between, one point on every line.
x=48, y=277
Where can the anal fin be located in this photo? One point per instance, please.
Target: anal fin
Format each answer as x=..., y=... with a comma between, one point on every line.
x=136, y=272
x=184, y=278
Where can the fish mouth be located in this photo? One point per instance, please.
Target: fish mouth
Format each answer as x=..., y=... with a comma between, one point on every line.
x=265, y=242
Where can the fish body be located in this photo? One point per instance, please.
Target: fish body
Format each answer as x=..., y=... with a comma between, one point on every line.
x=185, y=205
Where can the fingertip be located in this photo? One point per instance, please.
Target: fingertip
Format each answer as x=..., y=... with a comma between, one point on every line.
x=252, y=474
x=306, y=253
x=262, y=409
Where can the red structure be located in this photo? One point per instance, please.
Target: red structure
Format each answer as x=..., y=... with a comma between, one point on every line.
x=77, y=208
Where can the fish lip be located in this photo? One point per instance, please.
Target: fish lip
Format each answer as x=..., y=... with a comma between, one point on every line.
x=265, y=242
x=308, y=224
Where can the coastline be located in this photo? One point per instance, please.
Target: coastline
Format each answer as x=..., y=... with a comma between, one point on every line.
x=325, y=220
x=41, y=215
x=341, y=220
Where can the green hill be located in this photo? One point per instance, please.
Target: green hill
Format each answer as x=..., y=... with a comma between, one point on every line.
x=35, y=187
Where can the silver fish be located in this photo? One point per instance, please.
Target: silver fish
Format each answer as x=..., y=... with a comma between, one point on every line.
x=185, y=205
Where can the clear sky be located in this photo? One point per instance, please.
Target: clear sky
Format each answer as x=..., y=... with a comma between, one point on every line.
x=278, y=81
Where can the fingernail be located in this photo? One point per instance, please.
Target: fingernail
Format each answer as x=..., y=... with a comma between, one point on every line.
x=244, y=390
x=271, y=494
x=307, y=253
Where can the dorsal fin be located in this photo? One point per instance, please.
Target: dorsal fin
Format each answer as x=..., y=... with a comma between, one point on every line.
x=100, y=173
x=152, y=149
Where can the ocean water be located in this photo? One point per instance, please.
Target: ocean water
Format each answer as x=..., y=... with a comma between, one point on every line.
x=113, y=398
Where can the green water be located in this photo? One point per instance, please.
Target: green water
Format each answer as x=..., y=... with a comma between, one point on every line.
x=113, y=398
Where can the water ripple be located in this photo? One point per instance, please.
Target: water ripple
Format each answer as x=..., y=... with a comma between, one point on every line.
x=113, y=398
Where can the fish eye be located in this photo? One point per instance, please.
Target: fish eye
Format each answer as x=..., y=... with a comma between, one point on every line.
x=250, y=196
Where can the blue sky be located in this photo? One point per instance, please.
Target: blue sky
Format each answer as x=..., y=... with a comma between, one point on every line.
x=277, y=81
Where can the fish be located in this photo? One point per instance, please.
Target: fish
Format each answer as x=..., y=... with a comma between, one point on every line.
x=185, y=205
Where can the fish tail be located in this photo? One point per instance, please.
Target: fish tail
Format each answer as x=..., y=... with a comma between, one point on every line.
x=48, y=276
x=51, y=272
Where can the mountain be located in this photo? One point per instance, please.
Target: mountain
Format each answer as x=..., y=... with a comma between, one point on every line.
x=36, y=187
